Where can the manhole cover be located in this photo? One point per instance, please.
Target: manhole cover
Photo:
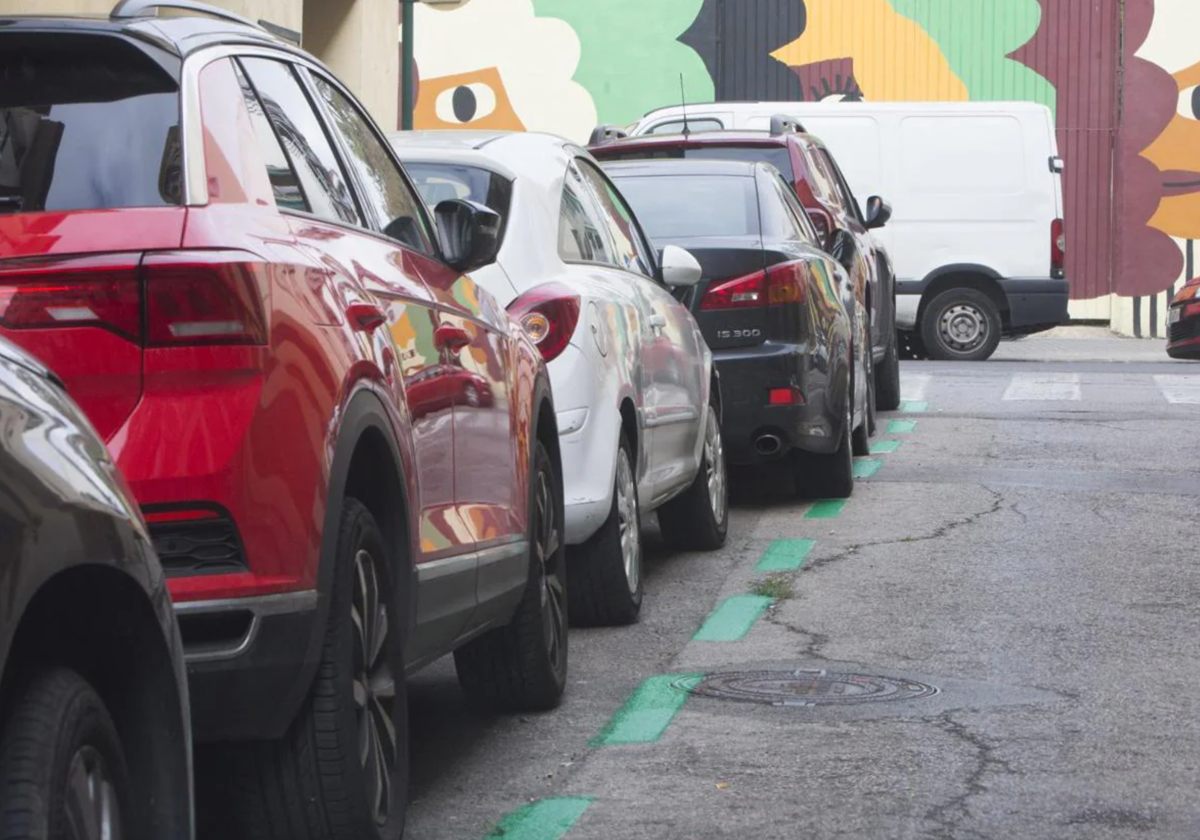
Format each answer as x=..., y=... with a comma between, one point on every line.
x=803, y=688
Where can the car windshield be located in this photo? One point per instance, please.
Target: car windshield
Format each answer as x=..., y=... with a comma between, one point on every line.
x=87, y=122
x=681, y=206
x=778, y=156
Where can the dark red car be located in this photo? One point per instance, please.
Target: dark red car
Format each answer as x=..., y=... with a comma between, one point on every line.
x=211, y=244
x=824, y=193
x=1183, y=322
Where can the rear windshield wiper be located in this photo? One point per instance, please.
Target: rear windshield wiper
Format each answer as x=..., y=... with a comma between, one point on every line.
x=11, y=204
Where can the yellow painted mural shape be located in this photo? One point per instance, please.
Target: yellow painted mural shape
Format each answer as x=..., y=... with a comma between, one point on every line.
x=894, y=58
x=489, y=107
x=1176, y=153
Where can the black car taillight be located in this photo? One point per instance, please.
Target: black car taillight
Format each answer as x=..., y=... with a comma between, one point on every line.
x=778, y=285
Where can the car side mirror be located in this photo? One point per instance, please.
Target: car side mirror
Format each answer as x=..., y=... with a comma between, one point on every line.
x=678, y=267
x=878, y=212
x=469, y=233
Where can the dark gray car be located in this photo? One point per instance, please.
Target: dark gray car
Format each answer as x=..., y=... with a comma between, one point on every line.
x=94, y=739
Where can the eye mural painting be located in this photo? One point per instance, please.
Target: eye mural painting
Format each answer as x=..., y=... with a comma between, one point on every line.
x=1122, y=77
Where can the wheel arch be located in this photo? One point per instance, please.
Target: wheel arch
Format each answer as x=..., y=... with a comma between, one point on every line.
x=964, y=276
x=130, y=665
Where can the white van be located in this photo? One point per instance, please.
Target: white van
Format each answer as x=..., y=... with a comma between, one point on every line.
x=976, y=233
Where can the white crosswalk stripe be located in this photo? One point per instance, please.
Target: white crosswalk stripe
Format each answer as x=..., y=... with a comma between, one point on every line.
x=914, y=385
x=1043, y=387
x=1179, y=389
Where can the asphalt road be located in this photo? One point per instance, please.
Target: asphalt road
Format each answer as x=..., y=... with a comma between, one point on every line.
x=1029, y=550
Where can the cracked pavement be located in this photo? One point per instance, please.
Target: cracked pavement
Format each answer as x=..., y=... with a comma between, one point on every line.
x=1035, y=561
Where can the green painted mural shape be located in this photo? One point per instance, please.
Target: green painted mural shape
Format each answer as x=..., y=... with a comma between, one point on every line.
x=631, y=61
x=976, y=37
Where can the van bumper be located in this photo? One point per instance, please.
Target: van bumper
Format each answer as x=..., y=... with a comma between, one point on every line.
x=1035, y=303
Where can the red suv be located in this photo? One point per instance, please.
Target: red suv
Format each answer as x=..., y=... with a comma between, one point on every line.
x=825, y=194
x=207, y=239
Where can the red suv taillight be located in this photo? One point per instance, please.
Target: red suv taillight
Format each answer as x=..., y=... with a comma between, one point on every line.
x=549, y=315
x=205, y=297
x=1058, y=248
x=100, y=292
x=778, y=285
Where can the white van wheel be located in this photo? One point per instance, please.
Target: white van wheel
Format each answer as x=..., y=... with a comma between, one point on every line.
x=961, y=325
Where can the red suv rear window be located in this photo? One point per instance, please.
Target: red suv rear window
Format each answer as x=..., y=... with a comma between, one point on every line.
x=778, y=156
x=87, y=122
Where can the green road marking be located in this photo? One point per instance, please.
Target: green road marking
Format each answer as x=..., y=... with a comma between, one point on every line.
x=733, y=619
x=785, y=555
x=547, y=819
x=914, y=407
x=825, y=509
x=883, y=447
x=645, y=715
x=866, y=467
x=900, y=427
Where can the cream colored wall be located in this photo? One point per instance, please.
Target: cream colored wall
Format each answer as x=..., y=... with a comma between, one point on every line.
x=356, y=38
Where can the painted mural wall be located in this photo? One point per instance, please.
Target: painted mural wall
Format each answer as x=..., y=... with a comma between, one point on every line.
x=1133, y=155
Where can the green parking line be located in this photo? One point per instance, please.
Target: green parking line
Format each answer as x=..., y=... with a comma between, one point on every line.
x=646, y=714
x=547, y=819
x=825, y=509
x=901, y=427
x=883, y=447
x=784, y=555
x=866, y=467
x=914, y=406
x=733, y=619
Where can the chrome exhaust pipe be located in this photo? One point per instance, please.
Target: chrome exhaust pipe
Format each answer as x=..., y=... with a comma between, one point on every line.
x=767, y=444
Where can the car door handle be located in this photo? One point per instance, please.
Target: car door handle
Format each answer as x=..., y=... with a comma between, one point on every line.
x=365, y=317
x=657, y=321
x=450, y=337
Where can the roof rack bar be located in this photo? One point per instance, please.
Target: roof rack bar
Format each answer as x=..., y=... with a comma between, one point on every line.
x=129, y=9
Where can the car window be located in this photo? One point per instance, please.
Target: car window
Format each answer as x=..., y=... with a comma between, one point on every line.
x=285, y=184
x=778, y=156
x=847, y=195
x=580, y=238
x=385, y=192
x=778, y=220
x=630, y=251
x=826, y=182
x=682, y=206
x=300, y=133
x=68, y=142
x=692, y=125
x=798, y=212
x=438, y=182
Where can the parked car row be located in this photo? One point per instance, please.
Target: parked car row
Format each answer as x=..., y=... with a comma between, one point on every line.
x=352, y=415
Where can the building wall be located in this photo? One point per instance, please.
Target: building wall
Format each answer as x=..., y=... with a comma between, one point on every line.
x=354, y=37
x=1128, y=121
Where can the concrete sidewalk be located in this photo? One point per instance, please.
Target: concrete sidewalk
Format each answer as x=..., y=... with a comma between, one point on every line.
x=1083, y=344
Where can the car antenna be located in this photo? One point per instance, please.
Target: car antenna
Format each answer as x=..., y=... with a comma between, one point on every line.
x=683, y=105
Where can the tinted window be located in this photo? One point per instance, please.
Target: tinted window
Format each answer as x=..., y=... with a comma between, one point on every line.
x=631, y=254
x=679, y=206
x=783, y=217
x=284, y=183
x=778, y=156
x=847, y=195
x=677, y=126
x=579, y=235
x=438, y=182
x=86, y=122
x=824, y=181
x=303, y=139
x=384, y=189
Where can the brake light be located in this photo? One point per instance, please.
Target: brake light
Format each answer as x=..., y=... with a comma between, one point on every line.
x=738, y=293
x=549, y=315
x=1058, y=248
x=785, y=396
x=778, y=285
x=91, y=291
x=205, y=297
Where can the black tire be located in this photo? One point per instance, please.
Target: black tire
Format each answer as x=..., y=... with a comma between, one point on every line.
x=695, y=520
x=600, y=593
x=56, y=734
x=967, y=313
x=887, y=378
x=861, y=439
x=827, y=476
x=311, y=784
x=523, y=665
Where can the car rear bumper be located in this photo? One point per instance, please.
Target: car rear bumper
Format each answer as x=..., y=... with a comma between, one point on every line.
x=747, y=376
x=1183, y=338
x=1035, y=304
x=246, y=660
